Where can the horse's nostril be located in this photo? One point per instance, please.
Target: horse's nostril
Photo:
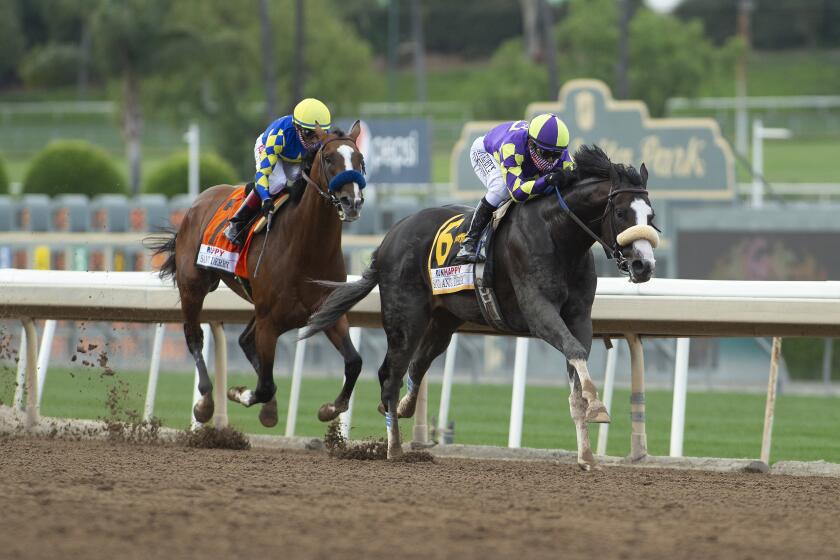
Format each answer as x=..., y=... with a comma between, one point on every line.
x=640, y=267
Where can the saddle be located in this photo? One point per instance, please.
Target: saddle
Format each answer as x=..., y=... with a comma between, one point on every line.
x=216, y=251
x=447, y=278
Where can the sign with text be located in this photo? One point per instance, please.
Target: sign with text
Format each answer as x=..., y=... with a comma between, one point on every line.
x=395, y=150
x=686, y=158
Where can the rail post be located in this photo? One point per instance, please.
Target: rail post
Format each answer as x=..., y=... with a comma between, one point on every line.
x=517, y=401
x=20, y=380
x=770, y=407
x=294, y=393
x=638, y=437
x=609, y=384
x=44, y=355
x=680, y=389
x=446, y=389
x=154, y=372
x=32, y=408
x=220, y=415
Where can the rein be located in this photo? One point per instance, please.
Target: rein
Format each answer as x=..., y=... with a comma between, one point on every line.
x=328, y=196
x=613, y=251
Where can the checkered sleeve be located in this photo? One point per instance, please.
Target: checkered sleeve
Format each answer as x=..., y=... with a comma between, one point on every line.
x=274, y=144
x=520, y=188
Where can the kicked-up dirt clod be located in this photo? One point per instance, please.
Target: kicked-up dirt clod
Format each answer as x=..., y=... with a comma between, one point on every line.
x=208, y=437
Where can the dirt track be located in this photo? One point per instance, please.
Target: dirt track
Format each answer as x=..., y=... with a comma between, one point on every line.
x=62, y=499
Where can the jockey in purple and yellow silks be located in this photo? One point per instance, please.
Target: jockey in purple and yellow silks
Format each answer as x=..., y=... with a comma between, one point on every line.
x=278, y=153
x=520, y=160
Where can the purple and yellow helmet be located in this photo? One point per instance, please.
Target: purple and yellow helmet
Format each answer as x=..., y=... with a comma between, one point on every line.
x=549, y=132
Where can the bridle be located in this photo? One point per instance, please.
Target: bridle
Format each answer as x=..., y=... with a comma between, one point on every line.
x=329, y=195
x=613, y=251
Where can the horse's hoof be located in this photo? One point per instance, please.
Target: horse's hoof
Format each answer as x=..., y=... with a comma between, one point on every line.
x=597, y=414
x=589, y=467
x=406, y=407
x=268, y=414
x=381, y=409
x=329, y=412
x=203, y=409
x=235, y=394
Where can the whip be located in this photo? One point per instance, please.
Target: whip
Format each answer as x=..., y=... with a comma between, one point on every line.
x=265, y=238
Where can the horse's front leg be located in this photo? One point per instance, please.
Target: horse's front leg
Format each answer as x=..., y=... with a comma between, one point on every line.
x=579, y=322
x=545, y=321
x=265, y=333
x=340, y=338
x=578, y=410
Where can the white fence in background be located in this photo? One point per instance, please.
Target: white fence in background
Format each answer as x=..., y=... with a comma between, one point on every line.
x=660, y=308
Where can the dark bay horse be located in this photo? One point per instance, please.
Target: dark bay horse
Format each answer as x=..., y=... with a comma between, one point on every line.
x=303, y=244
x=545, y=283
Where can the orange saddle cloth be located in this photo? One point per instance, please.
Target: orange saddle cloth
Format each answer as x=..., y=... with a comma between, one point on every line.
x=216, y=251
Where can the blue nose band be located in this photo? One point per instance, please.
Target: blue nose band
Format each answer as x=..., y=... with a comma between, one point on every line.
x=347, y=176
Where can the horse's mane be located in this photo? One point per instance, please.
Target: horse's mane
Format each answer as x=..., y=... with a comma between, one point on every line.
x=306, y=161
x=592, y=162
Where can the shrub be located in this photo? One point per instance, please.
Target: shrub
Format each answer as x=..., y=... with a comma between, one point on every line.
x=73, y=167
x=50, y=66
x=4, y=179
x=172, y=175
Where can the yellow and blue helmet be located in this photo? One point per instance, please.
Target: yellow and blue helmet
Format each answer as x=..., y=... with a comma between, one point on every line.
x=311, y=112
x=549, y=132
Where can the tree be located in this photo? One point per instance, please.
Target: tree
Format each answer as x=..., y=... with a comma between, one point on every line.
x=780, y=24
x=11, y=39
x=587, y=39
x=230, y=94
x=135, y=39
x=668, y=57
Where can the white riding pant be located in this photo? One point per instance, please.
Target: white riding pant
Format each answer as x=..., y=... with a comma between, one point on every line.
x=489, y=173
x=285, y=173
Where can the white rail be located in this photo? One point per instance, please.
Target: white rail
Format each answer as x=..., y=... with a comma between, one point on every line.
x=664, y=308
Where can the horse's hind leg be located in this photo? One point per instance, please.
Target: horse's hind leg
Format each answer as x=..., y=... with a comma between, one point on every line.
x=403, y=330
x=265, y=334
x=248, y=343
x=435, y=340
x=340, y=338
x=192, y=298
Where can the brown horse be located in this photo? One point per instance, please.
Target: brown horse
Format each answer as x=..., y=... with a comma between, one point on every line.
x=304, y=245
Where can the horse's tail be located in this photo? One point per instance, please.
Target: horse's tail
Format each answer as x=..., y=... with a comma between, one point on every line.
x=344, y=296
x=164, y=244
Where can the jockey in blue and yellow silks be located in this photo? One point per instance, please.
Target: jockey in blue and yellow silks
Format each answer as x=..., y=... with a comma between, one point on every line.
x=520, y=160
x=278, y=153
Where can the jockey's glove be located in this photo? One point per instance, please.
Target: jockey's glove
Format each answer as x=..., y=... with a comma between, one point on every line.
x=561, y=179
x=267, y=205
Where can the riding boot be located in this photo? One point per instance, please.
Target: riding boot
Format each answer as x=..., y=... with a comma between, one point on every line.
x=243, y=216
x=480, y=219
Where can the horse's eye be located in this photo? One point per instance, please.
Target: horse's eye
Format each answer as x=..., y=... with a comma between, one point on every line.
x=621, y=213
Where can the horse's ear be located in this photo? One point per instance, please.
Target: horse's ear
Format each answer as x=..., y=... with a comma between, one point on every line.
x=614, y=176
x=355, y=130
x=320, y=133
x=643, y=172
